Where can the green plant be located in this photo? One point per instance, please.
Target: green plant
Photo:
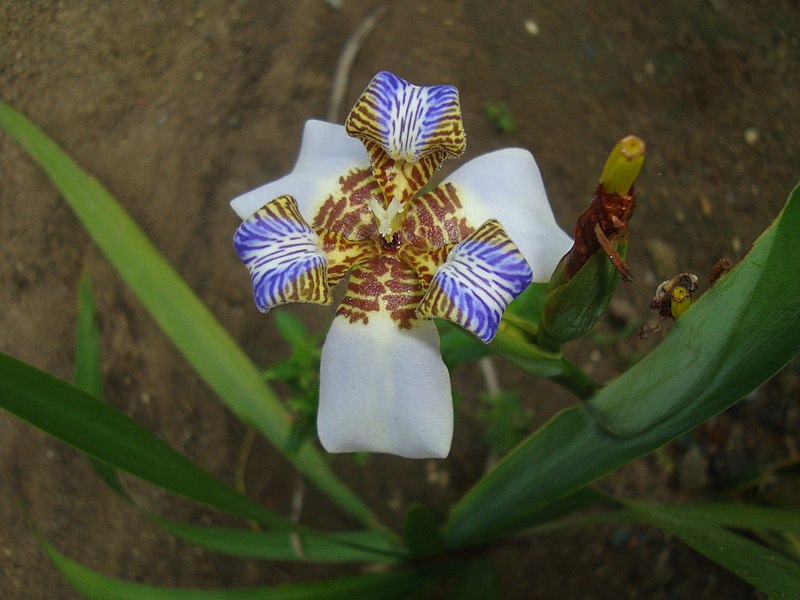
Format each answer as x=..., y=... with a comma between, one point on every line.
x=731, y=340
x=500, y=115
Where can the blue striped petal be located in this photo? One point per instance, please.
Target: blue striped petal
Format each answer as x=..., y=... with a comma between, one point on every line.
x=406, y=120
x=283, y=256
x=480, y=278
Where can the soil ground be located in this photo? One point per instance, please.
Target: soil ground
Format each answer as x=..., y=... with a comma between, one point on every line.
x=179, y=106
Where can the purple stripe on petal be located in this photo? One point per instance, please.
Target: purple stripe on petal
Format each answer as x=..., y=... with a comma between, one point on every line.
x=480, y=278
x=406, y=120
x=283, y=256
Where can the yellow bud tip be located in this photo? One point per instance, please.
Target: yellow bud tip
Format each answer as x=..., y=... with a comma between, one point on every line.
x=623, y=165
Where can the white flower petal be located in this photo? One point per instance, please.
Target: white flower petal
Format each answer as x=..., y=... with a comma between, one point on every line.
x=506, y=185
x=384, y=389
x=326, y=154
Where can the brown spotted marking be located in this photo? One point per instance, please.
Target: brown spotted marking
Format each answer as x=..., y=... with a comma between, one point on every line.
x=383, y=284
x=347, y=211
x=424, y=262
x=344, y=254
x=435, y=219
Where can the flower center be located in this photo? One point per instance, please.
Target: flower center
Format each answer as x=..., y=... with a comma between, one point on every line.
x=389, y=218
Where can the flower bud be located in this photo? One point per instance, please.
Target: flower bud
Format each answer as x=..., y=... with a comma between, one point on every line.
x=584, y=281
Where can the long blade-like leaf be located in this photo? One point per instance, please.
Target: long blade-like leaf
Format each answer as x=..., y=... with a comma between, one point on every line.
x=103, y=432
x=175, y=307
x=771, y=572
x=340, y=546
x=88, y=372
x=382, y=586
x=761, y=296
x=743, y=516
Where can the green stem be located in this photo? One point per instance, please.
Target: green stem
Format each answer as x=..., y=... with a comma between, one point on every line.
x=516, y=345
x=575, y=380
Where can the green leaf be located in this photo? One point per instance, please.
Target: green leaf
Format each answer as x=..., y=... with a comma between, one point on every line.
x=103, y=432
x=574, y=449
x=292, y=330
x=422, y=532
x=381, y=586
x=88, y=373
x=457, y=346
x=506, y=420
x=183, y=317
x=339, y=546
x=477, y=581
x=743, y=516
x=766, y=569
x=272, y=545
x=735, y=337
x=571, y=309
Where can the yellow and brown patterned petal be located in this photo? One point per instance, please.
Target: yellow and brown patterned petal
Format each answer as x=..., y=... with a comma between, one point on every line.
x=344, y=254
x=480, y=278
x=408, y=131
x=399, y=179
x=504, y=185
x=347, y=209
x=424, y=262
x=383, y=285
x=331, y=182
x=436, y=218
x=284, y=256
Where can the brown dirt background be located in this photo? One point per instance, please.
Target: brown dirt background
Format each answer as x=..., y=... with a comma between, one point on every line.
x=179, y=106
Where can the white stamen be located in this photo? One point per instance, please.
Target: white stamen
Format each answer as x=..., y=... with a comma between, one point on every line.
x=386, y=216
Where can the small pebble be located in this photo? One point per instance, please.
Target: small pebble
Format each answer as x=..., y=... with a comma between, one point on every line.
x=705, y=206
x=531, y=27
x=620, y=537
x=751, y=135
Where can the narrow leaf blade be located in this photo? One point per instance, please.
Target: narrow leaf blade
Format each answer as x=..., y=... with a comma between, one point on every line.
x=766, y=569
x=340, y=546
x=383, y=586
x=88, y=372
x=103, y=432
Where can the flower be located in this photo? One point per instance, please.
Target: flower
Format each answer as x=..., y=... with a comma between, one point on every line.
x=461, y=252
